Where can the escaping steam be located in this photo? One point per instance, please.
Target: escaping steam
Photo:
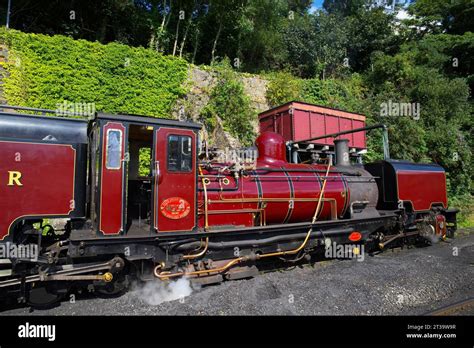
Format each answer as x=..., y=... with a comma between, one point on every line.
x=156, y=292
x=433, y=238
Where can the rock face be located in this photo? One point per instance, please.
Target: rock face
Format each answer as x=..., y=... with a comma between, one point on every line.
x=256, y=88
x=199, y=85
x=222, y=139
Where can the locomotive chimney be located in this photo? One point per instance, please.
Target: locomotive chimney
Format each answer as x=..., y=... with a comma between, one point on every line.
x=271, y=148
x=342, y=152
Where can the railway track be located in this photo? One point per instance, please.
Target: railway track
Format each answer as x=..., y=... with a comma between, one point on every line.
x=462, y=307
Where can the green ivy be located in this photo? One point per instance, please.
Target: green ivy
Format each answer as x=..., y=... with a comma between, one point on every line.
x=46, y=70
x=346, y=94
x=282, y=88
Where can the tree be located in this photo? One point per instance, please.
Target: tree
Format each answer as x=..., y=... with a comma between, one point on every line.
x=443, y=132
x=436, y=16
x=370, y=31
x=343, y=7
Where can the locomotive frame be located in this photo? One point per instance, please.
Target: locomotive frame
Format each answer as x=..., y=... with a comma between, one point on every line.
x=102, y=243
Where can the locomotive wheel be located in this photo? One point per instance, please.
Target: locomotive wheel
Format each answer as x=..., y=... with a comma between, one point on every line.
x=116, y=287
x=46, y=296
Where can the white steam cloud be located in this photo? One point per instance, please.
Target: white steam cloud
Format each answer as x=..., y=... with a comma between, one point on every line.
x=433, y=239
x=156, y=292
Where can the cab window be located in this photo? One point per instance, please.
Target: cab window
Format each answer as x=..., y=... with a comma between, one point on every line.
x=180, y=153
x=114, y=149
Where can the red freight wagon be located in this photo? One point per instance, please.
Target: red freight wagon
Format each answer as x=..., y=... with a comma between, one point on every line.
x=297, y=121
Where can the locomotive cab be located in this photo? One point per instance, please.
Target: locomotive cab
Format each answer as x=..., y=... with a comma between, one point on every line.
x=143, y=175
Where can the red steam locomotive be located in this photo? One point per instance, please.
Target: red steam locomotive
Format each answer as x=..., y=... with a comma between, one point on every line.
x=191, y=214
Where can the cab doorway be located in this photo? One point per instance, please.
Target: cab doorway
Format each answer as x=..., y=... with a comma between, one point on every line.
x=139, y=180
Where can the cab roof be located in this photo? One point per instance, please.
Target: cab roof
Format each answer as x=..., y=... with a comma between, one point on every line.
x=147, y=120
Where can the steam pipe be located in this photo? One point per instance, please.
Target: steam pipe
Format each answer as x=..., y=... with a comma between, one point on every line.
x=206, y=223
x=259, y=242
x=386, y=150
x=201, y=253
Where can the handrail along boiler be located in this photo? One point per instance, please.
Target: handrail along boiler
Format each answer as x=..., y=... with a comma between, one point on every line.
x=78, y=191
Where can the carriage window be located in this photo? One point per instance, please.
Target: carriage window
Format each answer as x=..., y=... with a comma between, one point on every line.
x=179, y=153
x=113, y=156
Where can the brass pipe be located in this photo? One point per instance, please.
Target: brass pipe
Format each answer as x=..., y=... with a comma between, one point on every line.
x=201, y=253
x=234, y=211
x=336, y=178
x=167, y=275
x=206, y=221
x=315, y=216
x=391, y=239
x=289, y=252
x=295, y=251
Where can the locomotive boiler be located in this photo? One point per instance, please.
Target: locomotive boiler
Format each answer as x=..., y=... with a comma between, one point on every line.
x=278, y=192
x=112, y=197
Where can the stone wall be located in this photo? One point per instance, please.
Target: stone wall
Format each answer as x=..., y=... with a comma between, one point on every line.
x=200, y=83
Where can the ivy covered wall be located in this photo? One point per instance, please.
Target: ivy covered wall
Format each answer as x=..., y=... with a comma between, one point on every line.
x=46, y=70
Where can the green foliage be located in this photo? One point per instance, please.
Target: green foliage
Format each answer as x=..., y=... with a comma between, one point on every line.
x=282, y=87
x=442, y=134
x=144, y=160
x=229, y=103
x=465, y=204
x=317, y=45
x=259, y=39
x=346, y=94
x=436, y=16
x=369, y=32
x=47, y=70
x=343, y=7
